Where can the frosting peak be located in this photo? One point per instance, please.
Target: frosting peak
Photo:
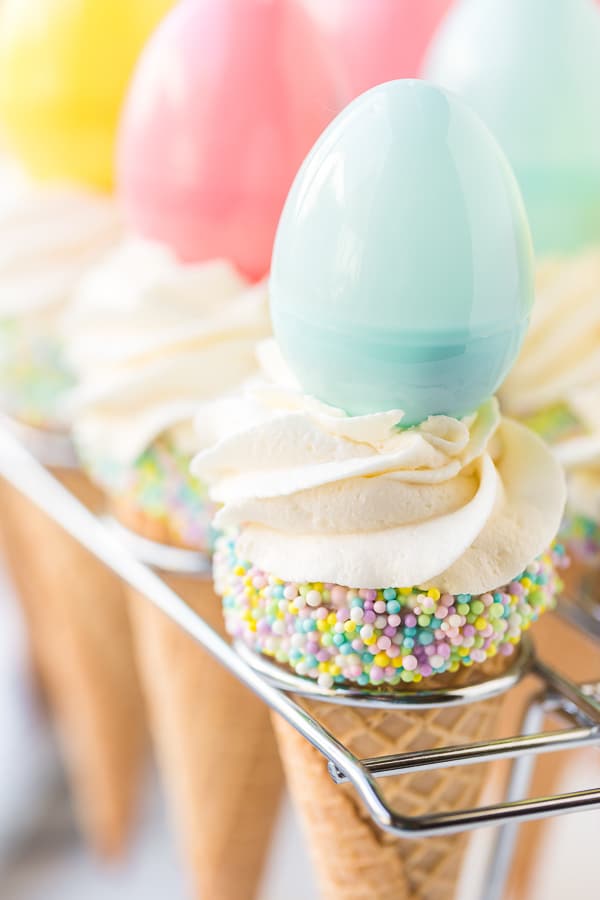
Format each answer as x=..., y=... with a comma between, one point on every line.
x=359, y=501
x=152, y=338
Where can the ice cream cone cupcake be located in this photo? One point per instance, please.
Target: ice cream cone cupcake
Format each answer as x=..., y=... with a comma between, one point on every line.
x=63, y=73
x=169, y=322
x=389, y=529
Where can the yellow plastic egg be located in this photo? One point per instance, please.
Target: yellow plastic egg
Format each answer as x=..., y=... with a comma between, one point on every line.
x=65, y=66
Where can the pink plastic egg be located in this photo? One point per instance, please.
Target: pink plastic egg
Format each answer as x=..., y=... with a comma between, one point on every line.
x=227, y=101
x=381, y=40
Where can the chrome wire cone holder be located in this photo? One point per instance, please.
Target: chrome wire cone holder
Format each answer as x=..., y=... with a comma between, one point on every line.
x=579, y=708
x=51, y=448
x=582, y=612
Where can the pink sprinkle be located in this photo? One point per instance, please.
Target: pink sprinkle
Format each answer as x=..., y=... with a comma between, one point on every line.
x=389, y=631
x=384, y=643
x=469, y=631
x=377, y=673
x=343, y=615
x=410, y=621
x=338, y=595
x=358, y=645
x=393, y=651
x=443, y=650
x=322, y=613
x=259, y=581
x=441, y=612
x=506, y=649
x=425, y=670
x=410, y=663
x=369, y=617
x=447, y=600
x=390, y=671
x=380, y=606
x=394, y=621
x=372, y=595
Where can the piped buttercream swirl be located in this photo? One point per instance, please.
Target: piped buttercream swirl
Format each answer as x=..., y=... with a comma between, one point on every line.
x=555, y=385
x=151, y=338
x=360, y=501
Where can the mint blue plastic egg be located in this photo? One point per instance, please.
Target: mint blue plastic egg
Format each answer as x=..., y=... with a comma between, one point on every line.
x=531, y=70
x=402, y=269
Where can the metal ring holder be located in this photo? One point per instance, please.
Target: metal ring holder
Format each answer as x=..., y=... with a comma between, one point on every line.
x=578, y=707
x=583, y=613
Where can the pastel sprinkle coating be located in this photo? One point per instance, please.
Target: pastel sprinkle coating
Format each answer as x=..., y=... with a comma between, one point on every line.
x=160, y=485
x=556, y=423
x=34, y=377
x=580, y=534
x=581, y=537
x=337, y=635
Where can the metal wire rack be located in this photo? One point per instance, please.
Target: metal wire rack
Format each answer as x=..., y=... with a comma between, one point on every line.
x=583, y=612
x=136, y=561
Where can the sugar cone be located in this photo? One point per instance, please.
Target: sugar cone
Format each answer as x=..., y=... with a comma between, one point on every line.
x=354, y=860
x=214, y=742
x=81, y=644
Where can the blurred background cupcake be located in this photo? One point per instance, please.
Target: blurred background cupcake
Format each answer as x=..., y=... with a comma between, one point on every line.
x=170, y=320
x=64, y=69
x=532, y=70
x=538, y=89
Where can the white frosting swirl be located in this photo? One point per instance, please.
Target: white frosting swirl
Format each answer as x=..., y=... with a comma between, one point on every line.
x=151, y=338
x=559, y=366
x=49, y=235
x=560, y=360
x=320, y=496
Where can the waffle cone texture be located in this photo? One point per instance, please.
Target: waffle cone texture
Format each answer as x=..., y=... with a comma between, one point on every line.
x=355, y=860
x=80, y=639
x=213, y=738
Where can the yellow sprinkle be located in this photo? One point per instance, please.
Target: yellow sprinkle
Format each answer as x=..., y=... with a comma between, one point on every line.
x=370, y=640
x=349, y=626
x=434, y=594
x=417, y=678
x=480, y=624
x=405, y=591
x=397, y=662
x=317, y=586
x=239, y=570
x=454, y=666
x=331, y=619
x=334, y=670
x=321, y=625
x=526, y=582
x=323, y=667
x=382, y=659
x=463, y=651
x=252, y=626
